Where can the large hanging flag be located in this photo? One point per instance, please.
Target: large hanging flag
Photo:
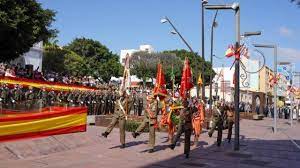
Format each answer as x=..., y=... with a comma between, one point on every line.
x=126, y=75
x=160, y=85
x=200, y=82
x=186, y=79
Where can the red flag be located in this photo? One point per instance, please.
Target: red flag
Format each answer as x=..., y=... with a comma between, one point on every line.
x=160, y=86
x=186, y=79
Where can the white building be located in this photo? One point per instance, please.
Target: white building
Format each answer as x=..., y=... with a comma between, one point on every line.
x=145, y=48
x=223, y=83
x=33, y=57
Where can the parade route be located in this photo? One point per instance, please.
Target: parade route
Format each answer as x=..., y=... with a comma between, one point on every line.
x=259, y=148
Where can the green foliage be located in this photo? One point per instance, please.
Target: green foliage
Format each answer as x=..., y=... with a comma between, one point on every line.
x=53, y=59
x=144, y=65
x=74, y=64
x=132, y=125
x=196, y=63
x=90, y=48
x=23, y=23
x=96, y=60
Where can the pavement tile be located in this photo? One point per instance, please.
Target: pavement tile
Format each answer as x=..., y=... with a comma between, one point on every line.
x=89, y=150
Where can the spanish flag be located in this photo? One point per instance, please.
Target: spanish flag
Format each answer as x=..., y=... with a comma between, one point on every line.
x=229, y=51
x=56, y=120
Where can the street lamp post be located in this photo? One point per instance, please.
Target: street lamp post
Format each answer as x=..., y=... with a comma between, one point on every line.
x=175, y=31
x=275, y=76
x=236, y=8
x=203, y=3
x=214, y=24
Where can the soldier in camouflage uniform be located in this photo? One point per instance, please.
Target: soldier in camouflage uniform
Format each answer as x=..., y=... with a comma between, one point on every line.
x=217, y=122
x=70, y=99
x=150, y=120
x=4, y=95
x=29, y=96
x=59, y=99
x=185, y=126
x=15, y=96
x=120, y=116
x=51, y=97
x=43, y=96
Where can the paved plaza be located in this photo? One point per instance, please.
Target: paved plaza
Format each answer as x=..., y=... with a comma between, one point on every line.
x=259, y=148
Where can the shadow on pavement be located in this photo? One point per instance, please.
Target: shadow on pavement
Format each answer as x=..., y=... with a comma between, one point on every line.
x=130, y=144
x=253, y=153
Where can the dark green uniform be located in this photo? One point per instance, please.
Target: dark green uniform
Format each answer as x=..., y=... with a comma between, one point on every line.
x=150, y=120
x=29, y=96
x=4, y=96
x=15, y=97
x=217, y=122
x=51, y=98
x=43, y=96
x=71, y=100
x=184, y=126
x=230, y=122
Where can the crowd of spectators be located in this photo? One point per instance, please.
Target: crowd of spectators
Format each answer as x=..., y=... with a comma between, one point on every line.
x=11, y=70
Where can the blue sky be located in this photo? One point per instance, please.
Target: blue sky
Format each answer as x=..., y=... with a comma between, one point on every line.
x=125, y=24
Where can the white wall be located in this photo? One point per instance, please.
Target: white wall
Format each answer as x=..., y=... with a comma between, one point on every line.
x=35, y=56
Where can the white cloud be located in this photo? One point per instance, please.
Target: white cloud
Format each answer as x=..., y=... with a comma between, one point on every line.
x=289, y=54
x=286, y=32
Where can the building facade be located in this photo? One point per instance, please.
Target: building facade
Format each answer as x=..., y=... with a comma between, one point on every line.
x=33, y=57
x=125, y=52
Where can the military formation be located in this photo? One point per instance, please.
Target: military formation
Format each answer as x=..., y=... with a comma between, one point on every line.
x=182, y=116
x=187, y=115
x=99, y=102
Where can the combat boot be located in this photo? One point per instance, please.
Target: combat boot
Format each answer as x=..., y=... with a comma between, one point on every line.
x=135, y=134
x=105, y=134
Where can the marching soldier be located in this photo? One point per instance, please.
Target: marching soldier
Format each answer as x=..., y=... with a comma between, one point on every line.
x=185, y=126
x=120, y=116
x=230, y=121
x=150, y=120
x=217, y=122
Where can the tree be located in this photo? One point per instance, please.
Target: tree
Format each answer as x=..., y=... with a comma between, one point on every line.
x=195, y=61
x=90, y=48
x=74, y=64
x=97, y=62
x=53, y=59
x=22, y=24
x=144, y=64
